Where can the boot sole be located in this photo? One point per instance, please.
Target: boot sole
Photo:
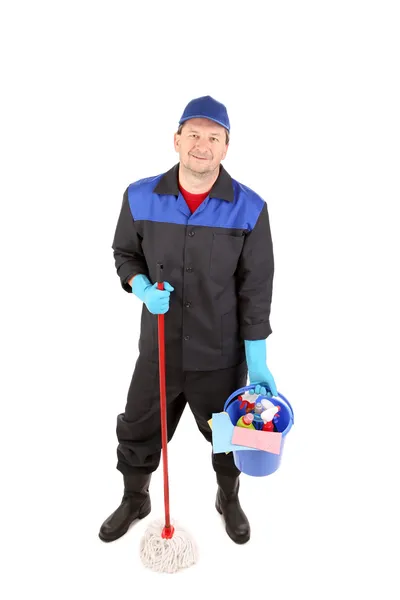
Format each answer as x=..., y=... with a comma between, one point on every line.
x=141, y=515
x=236, y=540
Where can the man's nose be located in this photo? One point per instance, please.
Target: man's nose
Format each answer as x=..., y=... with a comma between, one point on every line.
x=202, y=145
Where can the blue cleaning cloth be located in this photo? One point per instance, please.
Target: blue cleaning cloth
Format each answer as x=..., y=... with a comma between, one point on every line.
x=222, y=432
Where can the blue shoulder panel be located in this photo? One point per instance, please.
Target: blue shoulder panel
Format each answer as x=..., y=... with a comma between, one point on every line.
x=242, y=213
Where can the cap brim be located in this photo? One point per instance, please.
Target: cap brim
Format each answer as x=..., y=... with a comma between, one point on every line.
x=203, y=117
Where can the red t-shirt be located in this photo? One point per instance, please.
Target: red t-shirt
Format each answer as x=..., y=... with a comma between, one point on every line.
x=193, y=200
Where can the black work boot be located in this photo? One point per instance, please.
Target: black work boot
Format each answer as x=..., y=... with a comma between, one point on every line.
x=228, y=505
x=135, y=504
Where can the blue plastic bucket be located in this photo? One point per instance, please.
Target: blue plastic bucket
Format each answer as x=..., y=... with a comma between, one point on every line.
x=260, y=463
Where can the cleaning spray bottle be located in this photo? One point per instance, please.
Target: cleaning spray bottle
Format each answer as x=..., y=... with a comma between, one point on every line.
x=247, y=401
x=246, y=421
x=267, y=403
x=267, y=416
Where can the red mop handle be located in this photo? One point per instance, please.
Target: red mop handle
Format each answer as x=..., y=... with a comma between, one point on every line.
x=168, y=530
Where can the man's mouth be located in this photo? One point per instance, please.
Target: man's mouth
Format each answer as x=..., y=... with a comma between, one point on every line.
x=198, y=157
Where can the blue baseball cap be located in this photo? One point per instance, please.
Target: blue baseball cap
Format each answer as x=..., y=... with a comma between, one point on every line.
x=206, y=107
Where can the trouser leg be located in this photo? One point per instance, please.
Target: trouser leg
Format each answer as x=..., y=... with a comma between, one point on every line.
x=139, y=426
x=206, y=393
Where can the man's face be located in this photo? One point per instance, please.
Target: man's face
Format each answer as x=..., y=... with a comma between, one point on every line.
x=201, y=145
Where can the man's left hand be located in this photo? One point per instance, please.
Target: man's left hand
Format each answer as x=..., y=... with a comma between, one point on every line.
x=263, y=375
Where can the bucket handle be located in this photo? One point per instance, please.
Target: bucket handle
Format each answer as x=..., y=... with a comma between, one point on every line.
x=246, y=388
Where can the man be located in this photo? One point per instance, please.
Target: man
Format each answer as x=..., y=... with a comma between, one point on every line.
x=212, y=235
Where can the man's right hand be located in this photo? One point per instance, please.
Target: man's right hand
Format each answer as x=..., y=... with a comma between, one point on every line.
x=156, y=301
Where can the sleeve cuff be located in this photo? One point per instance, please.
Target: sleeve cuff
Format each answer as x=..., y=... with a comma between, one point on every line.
x=259, y=331
x=126, y=278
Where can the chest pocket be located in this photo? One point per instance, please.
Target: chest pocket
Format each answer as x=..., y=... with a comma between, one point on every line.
x=225, y=252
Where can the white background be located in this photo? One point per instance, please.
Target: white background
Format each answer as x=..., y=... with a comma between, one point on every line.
x=91, y=96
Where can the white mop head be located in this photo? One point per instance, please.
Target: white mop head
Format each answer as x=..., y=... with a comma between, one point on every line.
x=167, y=555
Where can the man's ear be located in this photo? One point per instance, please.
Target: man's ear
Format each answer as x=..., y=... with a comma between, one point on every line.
x=176, y=140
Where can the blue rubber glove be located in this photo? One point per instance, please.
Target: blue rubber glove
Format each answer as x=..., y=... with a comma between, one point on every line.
x=256, y=358
x=157, y=301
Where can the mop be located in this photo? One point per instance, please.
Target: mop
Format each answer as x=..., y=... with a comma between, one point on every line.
x=165, y=547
